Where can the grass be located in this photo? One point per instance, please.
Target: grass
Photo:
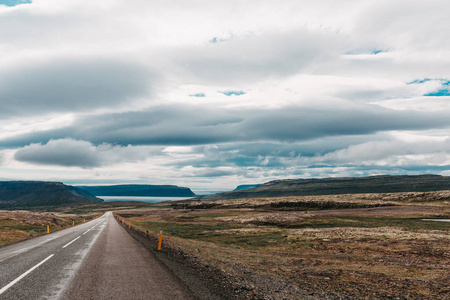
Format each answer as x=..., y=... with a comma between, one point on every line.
x=351, y=246
x=379, y=252
x=19, y=225
x=11, y=231
x=355, y=221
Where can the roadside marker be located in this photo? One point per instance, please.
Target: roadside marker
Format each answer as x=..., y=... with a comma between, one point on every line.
x=73, y=223
x=48, y=229
x=160, y=240
x=129, y=225
x=84, y=220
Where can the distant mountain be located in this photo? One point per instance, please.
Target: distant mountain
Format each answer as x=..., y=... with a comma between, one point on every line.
x=26, y=194
x=342, y=185
x=245, y=186
x=139, y=190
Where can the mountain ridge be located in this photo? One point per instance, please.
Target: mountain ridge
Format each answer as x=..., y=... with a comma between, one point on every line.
x=340, y=185
x=26, y=194
x=139, y=190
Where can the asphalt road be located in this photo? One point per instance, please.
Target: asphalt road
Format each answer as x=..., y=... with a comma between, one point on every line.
x=94, y=260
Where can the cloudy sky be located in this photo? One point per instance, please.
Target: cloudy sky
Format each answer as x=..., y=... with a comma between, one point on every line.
x=211, y=94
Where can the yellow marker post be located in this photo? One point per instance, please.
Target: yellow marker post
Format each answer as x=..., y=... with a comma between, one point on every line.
x=73, y=223
x=48, y=229
x=84, y=220
x=160, y=241
x=129, y=225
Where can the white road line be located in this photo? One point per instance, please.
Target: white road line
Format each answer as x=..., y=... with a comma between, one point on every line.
x=6, y=287
x=71, y=242
x=86, y=231
x=72, y=268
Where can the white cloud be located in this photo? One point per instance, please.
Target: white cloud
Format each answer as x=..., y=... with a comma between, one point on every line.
x=342, y=79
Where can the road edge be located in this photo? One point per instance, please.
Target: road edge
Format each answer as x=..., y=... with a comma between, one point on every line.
x=191, y=271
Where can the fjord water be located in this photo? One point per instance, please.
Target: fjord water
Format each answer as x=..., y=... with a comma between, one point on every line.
x=142, y=199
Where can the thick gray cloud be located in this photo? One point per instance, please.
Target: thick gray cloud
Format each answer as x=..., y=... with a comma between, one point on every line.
x=187, y=125
x=70, y=85
x=69, y=153
x=60, y=152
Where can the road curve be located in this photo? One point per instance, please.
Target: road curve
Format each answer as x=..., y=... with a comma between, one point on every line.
x=94, y=260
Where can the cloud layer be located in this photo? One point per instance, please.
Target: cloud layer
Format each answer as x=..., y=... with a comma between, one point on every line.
x=69, y=153
x=67, y=85
x=198, y=92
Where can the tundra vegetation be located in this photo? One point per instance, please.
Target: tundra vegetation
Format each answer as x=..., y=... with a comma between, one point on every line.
x=351, y=246
x=359, y=246
x=17, y=225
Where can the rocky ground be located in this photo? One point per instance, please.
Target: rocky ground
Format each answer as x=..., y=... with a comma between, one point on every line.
x=270, y=250
x=367, y=246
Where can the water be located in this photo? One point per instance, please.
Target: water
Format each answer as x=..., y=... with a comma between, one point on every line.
x=142, y=199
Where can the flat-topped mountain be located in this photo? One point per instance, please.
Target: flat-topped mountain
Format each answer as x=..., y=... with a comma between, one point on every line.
x=139, y=190
x=341, y=185
x=26, y=194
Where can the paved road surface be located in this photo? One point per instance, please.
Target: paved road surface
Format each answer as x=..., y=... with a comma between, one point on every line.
x=95, y=260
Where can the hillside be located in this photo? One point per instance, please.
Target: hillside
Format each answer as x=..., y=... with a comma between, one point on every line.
x=139, y=190
x=342, y=185
x=245, y=186
x=26, y=194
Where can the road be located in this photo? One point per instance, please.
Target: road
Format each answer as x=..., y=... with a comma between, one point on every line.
x=94, y=260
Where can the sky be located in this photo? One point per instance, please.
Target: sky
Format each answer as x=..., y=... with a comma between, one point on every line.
x=214, y=94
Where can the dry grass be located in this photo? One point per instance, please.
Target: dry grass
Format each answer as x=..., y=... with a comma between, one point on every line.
x=362, y=253
x=19, y=225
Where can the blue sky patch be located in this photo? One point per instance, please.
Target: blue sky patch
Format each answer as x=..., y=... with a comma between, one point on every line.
x=444, y=90
x=439, y=93
x=198, y=95
x=365, y=51
x=232, y=93
x=14, y=2
x=375, y=52
x=419, y=81
x=216, y=40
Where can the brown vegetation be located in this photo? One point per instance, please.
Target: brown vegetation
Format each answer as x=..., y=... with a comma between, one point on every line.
x=369, y=251
x=19, y=225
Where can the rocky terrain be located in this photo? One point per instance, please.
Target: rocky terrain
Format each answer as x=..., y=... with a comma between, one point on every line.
x=355, y=246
